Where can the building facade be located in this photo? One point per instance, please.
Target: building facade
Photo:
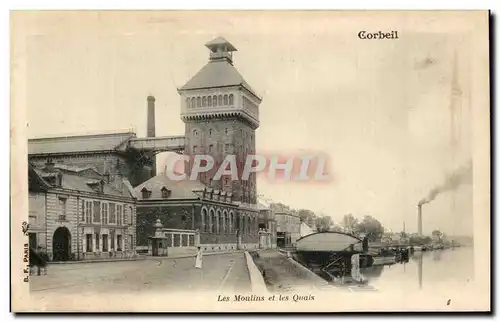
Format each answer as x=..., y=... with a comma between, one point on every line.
x=192, y=215
x=76, y=214
x=287, y=228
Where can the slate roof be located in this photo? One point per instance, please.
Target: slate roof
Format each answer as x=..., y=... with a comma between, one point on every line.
x=80, y=143
x=79, y=183
x=179, y=189
x=217, y=73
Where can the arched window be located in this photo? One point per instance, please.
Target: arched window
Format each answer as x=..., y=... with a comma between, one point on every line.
x=188, y=103
x=226, y=222
x=195, y=132
x=220, y=100
x=212, y=221
x=198, y=102
x=215, y=100
x=205, y=220
x=226, y=131
x=231, y=222
x=193, y=102
x=225, y=100
x=209, y=101
x=231, y=99
x=217, y=222
x=204, y=101
x=210, y=133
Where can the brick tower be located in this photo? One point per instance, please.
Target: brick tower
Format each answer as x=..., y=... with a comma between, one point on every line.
x=221, y=113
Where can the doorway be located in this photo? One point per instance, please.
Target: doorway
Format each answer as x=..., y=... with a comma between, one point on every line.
x=61, y=244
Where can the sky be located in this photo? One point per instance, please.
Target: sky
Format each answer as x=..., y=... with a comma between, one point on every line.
x=380, y=110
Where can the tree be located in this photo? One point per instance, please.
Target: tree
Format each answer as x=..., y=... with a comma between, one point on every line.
x=307, y=216
x=323, y=223
x=371, y=227
x=437, y=234
x=349, y=222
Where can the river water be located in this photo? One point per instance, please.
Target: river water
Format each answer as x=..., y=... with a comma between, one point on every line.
x=439, y=270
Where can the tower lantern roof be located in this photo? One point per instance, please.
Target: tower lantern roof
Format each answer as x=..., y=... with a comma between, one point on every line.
x=220, y=44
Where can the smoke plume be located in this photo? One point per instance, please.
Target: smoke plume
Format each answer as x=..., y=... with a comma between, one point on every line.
x=461, y=176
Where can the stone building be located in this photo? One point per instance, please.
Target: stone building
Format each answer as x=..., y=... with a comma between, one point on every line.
x=287, y=228
x=191, y=215
x=77, y=214
x=221, y=113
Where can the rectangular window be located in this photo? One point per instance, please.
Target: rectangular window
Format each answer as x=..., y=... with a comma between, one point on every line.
x=97, y=248
x=105, y=243
x=83, y=211
x=195, y=149
x=119, y=242
x=210, y=148
x=97, y=212
x=62, y=208
x=89, y=242
x=105, y=213
x=112, y=213
x=88, y=212
x=112, y=240
x=119, y=220
x=119, y=213
x=126, y=214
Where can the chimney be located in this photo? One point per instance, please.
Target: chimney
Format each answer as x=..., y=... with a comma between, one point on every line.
x=151, y=116
x=419, y=219
x=49, y=165
x=151, y=131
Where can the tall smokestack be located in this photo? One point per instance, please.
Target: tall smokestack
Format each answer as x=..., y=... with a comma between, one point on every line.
x=419, y=219
x=151, y=116
x=151, y=130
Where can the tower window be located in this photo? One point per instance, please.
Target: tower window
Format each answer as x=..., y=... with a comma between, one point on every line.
x=215, y=100
x=210, y=184
x=188, y=103
x=225, y=100
x=231, y=99
x=226, y=130
x=220, y=100
x=209, y=101
x=210, y=133
x=226, y=180
x=195, y=148
x=193, y=102
x=204, y=101
x=195, y=132
x=198, y=101
x=226, y=147
x=210, y=148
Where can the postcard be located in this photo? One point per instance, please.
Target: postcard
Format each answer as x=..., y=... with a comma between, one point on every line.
x=250, y=161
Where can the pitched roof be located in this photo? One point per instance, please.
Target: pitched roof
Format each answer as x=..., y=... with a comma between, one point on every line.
x=220, y=41
x=179, y=189
x=79, y=183
x=217, y=73
x=80, y=143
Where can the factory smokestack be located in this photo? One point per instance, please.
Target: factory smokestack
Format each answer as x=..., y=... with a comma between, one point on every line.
x=151, y=116
x=151, y=130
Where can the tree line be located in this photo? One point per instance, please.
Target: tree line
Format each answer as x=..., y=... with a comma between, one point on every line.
x=367, y=226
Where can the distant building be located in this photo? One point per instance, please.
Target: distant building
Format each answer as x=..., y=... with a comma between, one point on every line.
x=75, y=213
x=288, y=228
x=267, y=224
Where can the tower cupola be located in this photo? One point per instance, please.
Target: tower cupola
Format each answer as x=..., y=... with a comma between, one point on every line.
x=221, y=49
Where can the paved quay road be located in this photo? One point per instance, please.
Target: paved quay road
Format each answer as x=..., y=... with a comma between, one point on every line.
x=226, y=272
